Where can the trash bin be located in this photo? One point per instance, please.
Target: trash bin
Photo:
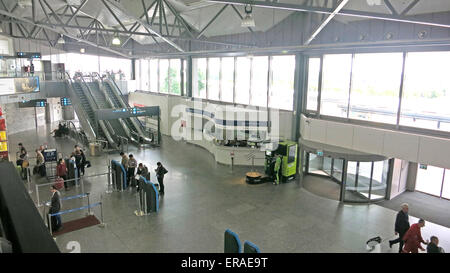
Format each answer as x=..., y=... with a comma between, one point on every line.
x=95, y=149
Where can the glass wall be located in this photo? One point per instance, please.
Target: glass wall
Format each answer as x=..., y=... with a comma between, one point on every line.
x=199, y=78
x=433, y=180
x=245, y=80
x=366, y=86
x=282, y=82
x=213, y=78
x=376, y=86
x=313, y=83
x=175, y=76
x=242, y=85
x=164, y=76
x=335, y=85
x=227, y=82
x=426, y=92
x=154, y=85
x=260, y=68
x=364, y=181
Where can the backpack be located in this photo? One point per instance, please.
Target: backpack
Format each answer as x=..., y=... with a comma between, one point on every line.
x=165, y=171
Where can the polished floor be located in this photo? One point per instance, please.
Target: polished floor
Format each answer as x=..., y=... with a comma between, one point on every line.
x=428, y=207
x=204, y=198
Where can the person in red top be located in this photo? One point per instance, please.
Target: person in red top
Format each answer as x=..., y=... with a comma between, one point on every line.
x=61, y=171
x=413, y=238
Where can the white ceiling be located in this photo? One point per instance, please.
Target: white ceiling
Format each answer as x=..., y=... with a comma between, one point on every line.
x=197, y=13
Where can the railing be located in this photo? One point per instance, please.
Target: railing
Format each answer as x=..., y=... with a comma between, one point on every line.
x=78, y=105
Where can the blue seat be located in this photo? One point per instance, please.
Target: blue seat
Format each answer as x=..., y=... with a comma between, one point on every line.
x=250, y=247
x=232, y=242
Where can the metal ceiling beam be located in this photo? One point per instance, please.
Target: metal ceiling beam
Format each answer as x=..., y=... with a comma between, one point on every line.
x=180, y=18
x=410, y=6
x=351, y=13
x=212, y=20
x=240, y=16
x=391, y=8
x=174, y=45
x=325, y=22
x=25, y=20
x=76, y=11
x=114, y=15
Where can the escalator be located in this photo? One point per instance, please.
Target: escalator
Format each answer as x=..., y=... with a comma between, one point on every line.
x=85, y=106
x=102, y=103
x=133, y=124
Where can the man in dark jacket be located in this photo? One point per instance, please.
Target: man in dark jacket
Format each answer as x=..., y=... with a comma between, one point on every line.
x=433, y=246
x=55, y=207
x=401, y=226
x=160, y=172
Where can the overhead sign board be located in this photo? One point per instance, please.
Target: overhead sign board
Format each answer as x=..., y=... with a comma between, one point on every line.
x=33, y=103
x=28, y=55
x=117, y=113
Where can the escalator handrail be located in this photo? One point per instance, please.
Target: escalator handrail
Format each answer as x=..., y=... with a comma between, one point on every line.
x=122, y=100
x=70, y=83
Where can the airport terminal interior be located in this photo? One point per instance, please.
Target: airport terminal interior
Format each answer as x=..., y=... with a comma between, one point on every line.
x=211, y=126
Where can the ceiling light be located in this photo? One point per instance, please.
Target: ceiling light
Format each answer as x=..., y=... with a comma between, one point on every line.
x=116, y=40
x=82, y=50
x=248, y=21
x=61, y=40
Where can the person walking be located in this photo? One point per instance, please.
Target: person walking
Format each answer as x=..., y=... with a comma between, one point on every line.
x=83, y=160
x=132, y=164
x=413, y=238
x=401, y=226
x=55, y=207
x=61, y=171
x=160, y=172
x=433, y=246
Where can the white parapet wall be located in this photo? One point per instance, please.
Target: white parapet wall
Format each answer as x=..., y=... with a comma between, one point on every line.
x=407, y=146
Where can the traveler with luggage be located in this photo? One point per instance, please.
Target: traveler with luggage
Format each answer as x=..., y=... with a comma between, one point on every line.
x=61, y=171
x=132, y=164
x=160, y=172
x=401, y=226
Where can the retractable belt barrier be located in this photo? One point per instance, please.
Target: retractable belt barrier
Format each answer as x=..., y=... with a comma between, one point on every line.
x=76, y=209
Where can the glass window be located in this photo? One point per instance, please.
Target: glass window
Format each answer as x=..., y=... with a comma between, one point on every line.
x=144, y=73
x=337, y=169
x=242, y=85
x=282, y=82
x=154, y=75
x=184, y=78
x=446, y=186
x=174, y=76
x=426, y=92
x=429, y=179
x=376, y=86
x=260, y=70
x=379, y=179
x=163, y=76
x=227, y=79
x=213, y=78
x=313, y=84
x=335, y=84
x=199, y=78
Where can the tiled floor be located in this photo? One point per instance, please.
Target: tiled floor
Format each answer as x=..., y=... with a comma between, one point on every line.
x=204, y=198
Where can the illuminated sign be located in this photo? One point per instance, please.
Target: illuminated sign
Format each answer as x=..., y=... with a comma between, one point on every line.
x=28, y=55
x=9, y=86
x=33, y=103
x=65, y=102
